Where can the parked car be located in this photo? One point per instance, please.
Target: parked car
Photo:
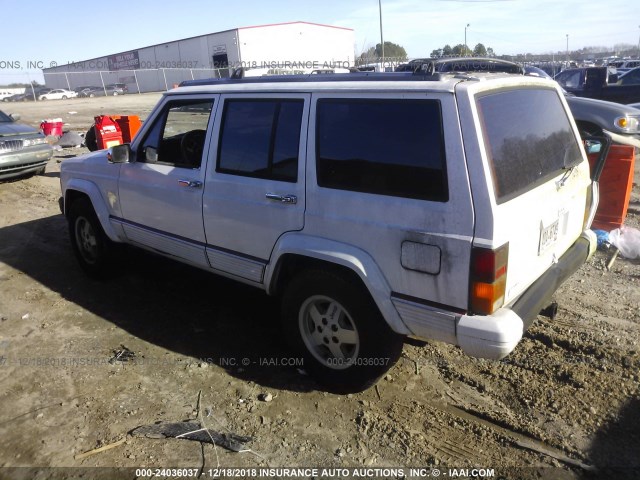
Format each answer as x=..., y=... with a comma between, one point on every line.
x=28, y=95
x=632, y=77
x=596, y=117
x=79, y=90
x=4, y=94
x=118, y=86
x=626, y=66
x=593, y=82
x=447, y=207
x=23, y=149
x=57, y=94
x=18, y=97
x=101, y=92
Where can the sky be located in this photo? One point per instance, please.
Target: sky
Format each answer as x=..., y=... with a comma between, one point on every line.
x=35, y=33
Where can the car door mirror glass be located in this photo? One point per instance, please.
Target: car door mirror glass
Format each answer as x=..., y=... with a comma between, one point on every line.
x=119, y=154
x=592, y=146
x=151, y=154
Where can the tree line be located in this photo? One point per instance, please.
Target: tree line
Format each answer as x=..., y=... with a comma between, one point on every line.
x=393, y=51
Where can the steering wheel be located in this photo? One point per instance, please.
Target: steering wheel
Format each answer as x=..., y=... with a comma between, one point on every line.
x=191, y=147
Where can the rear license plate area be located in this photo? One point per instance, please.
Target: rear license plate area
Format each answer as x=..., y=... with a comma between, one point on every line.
x=548, y=236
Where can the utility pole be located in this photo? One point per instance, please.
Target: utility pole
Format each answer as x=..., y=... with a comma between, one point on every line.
x=381, y=37
x=465, y=39
x=567, y=60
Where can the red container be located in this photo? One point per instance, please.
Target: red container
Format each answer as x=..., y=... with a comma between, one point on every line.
x=129, y=125
x=51, y=127
x=108, y=133
x=615, y=186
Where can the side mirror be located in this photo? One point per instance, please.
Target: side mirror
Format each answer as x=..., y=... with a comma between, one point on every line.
x=592, y=146
x=599, y=148
x=15, y=117
x=119, y=154
x=151, y=154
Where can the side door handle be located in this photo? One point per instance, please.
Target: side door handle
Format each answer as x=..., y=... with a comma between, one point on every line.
x=190, y=183
x=291, y=199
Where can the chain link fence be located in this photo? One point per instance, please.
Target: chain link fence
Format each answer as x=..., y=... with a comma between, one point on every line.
x=137, y=81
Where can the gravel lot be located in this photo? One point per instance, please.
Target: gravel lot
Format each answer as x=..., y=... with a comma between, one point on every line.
x=564, y=404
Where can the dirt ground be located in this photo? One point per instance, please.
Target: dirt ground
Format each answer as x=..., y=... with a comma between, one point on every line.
x=564, y=404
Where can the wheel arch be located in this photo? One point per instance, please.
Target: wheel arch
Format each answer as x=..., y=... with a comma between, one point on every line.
x=295, y=253
x=78, y=188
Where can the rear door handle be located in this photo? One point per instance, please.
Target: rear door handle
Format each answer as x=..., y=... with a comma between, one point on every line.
x=190, y=183
x=292, y=199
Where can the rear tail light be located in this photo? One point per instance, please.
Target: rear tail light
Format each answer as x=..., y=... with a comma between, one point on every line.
x=488, y=279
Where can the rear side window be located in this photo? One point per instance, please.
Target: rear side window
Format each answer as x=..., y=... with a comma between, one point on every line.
x=261, y=138
x=528, y=138
x=384, y=147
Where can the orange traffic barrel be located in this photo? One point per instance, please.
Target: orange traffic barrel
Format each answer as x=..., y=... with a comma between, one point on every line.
x=615, y=186
x=129, y=126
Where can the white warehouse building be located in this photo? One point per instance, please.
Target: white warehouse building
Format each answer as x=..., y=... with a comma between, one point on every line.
x=159, y=67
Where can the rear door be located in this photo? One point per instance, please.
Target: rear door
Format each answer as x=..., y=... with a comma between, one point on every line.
x=255, y=184
x=536, y=178
x=390, y=178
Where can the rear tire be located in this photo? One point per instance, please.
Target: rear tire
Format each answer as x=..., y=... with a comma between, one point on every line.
x=335, y=326
x=91, y=246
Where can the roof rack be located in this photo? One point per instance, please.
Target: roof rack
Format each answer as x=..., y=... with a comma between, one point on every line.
x=327, y=77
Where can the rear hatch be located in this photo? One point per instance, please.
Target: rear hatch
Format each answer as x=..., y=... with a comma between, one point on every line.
x=537, y=179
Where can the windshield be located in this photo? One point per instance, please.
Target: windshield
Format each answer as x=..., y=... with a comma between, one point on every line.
x=5, y=118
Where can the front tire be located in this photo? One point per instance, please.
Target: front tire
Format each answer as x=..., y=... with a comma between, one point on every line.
x=338, y=330
x=91, y=246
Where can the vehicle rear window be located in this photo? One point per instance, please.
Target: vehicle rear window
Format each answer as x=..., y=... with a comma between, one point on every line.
x=384, y=147
x=528, y=138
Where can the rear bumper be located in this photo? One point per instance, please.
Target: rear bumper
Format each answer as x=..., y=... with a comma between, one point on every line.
x=495, y=336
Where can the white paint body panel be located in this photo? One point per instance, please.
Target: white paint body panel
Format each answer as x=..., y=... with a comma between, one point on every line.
x=237, y=214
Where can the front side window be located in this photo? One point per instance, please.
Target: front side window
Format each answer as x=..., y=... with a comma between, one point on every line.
x=528, y=137
x=261, y=138
x=178, y=134
x=384, y=147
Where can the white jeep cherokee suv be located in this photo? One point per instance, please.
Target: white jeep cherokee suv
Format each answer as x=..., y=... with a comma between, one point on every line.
x=446, y=207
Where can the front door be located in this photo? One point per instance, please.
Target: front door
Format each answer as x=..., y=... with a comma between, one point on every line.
x=161, y=191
